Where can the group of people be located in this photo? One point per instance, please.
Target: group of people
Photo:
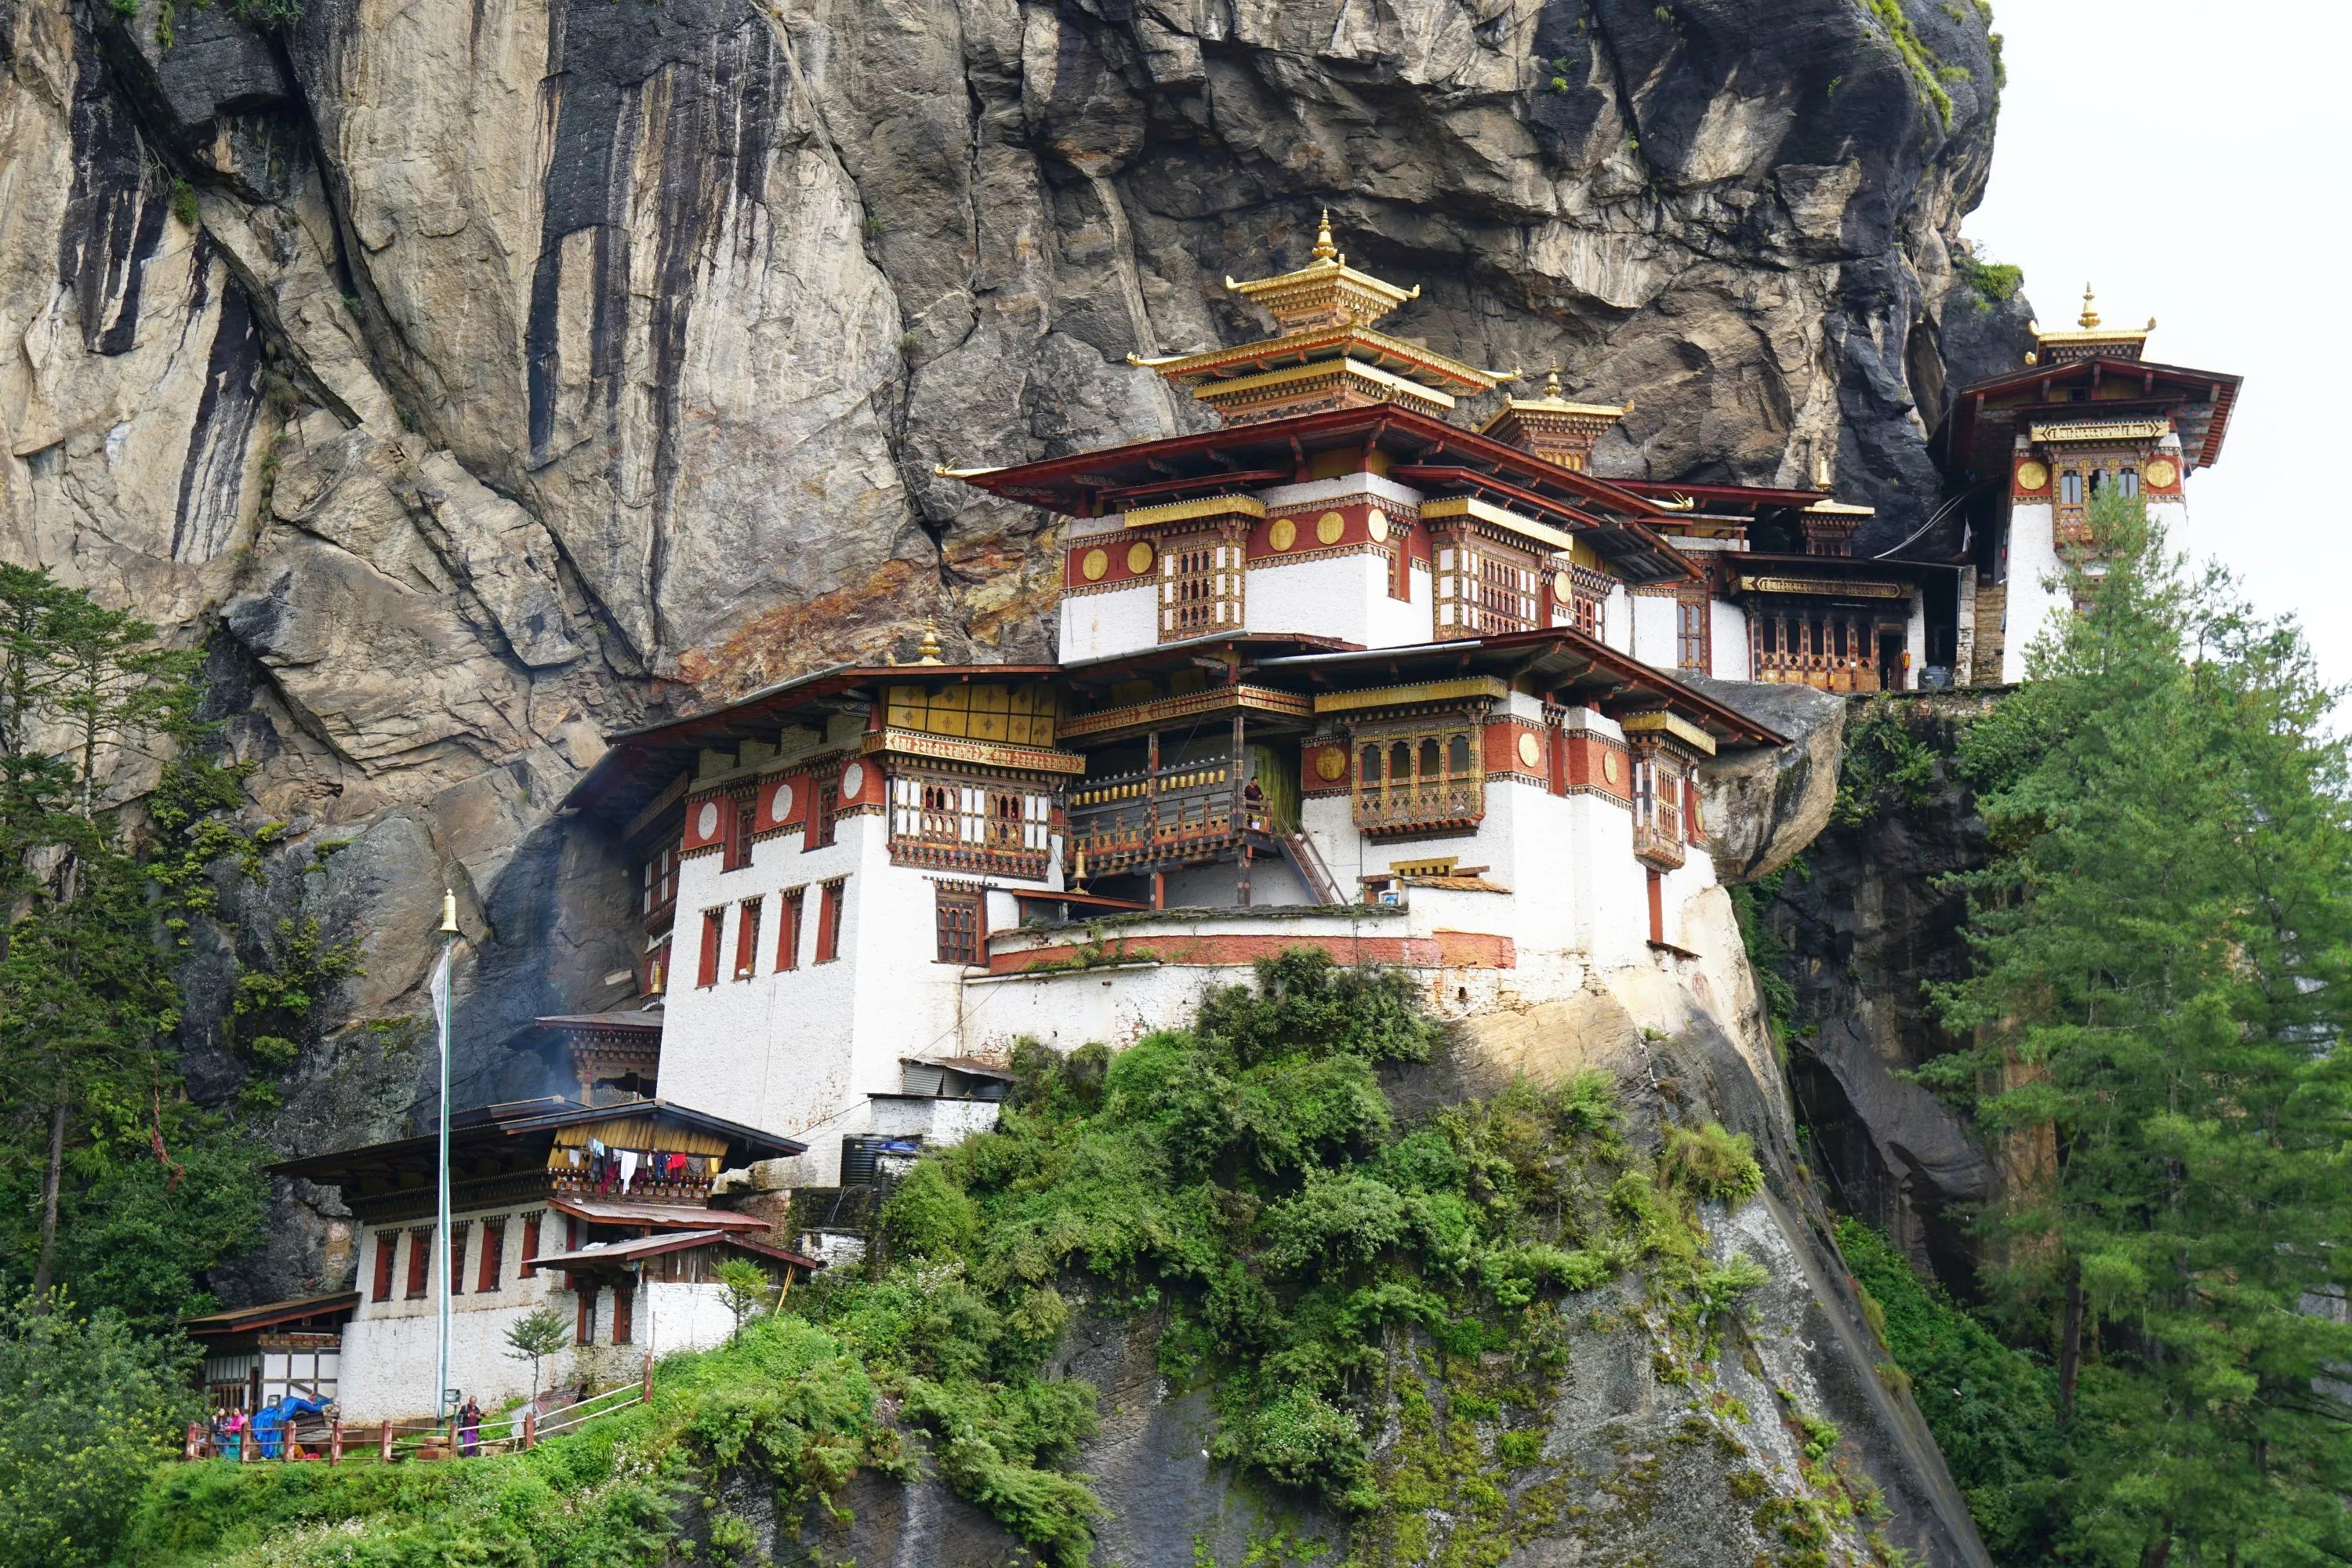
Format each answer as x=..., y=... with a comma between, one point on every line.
x=271, y=1429
x=273, y=1433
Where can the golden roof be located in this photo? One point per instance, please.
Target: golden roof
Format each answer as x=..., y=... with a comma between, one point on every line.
x=1326, y=291
x=2089, y=338
x=1552, y=402
x=1323, y=313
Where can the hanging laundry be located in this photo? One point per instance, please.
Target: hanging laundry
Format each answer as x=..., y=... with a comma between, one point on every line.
x=596, y=1147
x=628, y=1168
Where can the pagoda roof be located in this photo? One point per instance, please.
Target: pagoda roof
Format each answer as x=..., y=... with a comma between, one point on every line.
x=1614, y=520
x=525, y=1133
x=1562, y=660
x=1362, y=344
x=1975, y=435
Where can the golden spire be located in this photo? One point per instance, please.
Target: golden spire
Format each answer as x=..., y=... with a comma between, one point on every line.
x=929, y=653
x=2089, y=318
x=1324, y=249
x=1551, y=384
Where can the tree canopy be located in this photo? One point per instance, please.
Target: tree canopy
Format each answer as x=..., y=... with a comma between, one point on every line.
x=2157, y=1002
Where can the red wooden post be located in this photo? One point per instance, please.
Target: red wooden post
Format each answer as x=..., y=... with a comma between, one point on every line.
x=384, y=1443
x=646, y=1390
x=246, y=1445
x=529, y=1425
x=449, y=1439
x=335, y=1441
x=188, y=1448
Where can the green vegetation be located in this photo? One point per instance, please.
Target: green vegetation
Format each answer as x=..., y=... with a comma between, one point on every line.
x=782, y=1396
x=1884, y=764
x=110, y=1182
x=91, y=1407
x=1927, y=70
x=1993, y=1409
x=2161, y=946
x=1993, y=281
x=1768, y=955
x=533, y=1337
x=1245, y=1190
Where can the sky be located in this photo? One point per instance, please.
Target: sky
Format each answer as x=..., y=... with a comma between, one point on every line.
x=2189, y=159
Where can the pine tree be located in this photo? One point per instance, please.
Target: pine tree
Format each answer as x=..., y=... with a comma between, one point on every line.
x=2158, y=994
x=97, y=1143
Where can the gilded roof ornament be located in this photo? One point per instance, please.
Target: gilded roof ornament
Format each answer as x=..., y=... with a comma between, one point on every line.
x=2089, y=320
x=928, y=652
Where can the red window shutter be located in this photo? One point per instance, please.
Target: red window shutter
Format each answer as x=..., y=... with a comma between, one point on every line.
x=747, y=939
x=420, y=1261
x=494, y=1255
x=387, y=1243
x=457, y=1229
x=583, y=1327
x=828, y=807
x=624, y=1299
x=828, y=924
x=707, y=971
x=788, y=928
x=744, y=822
x=531, y=1223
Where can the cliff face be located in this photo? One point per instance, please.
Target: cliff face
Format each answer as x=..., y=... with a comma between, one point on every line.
x=476, y=378
x=1864, y=925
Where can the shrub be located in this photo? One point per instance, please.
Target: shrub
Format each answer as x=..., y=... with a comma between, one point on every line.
x=87, y=1410
x=1712, y=1164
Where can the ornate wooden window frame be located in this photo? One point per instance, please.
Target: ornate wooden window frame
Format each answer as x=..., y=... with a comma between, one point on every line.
x=1443, y=790
x=1486, y=584
x=1202, y=578
x=960, y=921
x=984, y=824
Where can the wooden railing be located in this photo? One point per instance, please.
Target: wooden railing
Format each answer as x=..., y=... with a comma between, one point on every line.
x=335, y=1442
x=1422, y=805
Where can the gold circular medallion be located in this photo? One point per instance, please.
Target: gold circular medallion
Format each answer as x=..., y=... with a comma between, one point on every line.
x=1562, y=587
x=1377, y=526
x=2161, y=473
x=1283, y=534
x=2032, y=476
x=1094, y=566
x=1330, y=764
x=1530, y=749
x=1329, y=527
x=1609, y=766
x=1138, y=558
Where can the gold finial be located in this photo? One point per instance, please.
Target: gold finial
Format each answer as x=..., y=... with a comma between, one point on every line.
x=1822, y=481
x=929, y=653
x=2089, y=318
x=1324, y=249
x=449, y=911
x=1551, y=384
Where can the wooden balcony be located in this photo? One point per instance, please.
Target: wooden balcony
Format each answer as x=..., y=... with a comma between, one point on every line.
x=1659, y=844
x=1449, y=805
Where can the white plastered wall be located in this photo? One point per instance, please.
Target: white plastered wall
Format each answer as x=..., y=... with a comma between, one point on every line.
x=2035, y=590
x=1654, y=642
x=392, y=1349
x=1727, y=650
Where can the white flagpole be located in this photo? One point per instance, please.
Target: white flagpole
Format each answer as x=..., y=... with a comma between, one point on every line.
x=442, y=1249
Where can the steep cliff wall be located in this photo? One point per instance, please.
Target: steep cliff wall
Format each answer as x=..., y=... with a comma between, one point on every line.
x=1860, y=928
x=477, y=378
